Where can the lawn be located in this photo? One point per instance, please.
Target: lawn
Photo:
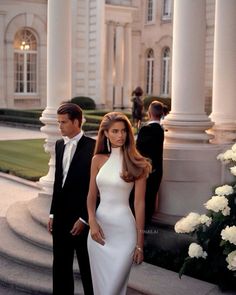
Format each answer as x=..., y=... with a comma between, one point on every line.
x=24, y=158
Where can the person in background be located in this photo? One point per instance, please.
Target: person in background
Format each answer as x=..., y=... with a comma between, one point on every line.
x=165, y=113
x=68, y=214
x=137, y=107
x=150, y=144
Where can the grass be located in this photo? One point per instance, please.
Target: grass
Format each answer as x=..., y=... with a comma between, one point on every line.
x=24, y=158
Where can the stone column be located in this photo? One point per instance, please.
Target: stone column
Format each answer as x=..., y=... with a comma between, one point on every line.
x=100, y=52
x=127, y=66
x=190, y=166
x=119, y=65
x=110, y=64
x=224, y=73
x=58, y=77
x=187, y=121
x=2, y=59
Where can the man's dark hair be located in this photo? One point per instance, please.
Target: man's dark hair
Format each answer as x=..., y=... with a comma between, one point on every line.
x=156, y=109
x=138, y=91
x=73, y=111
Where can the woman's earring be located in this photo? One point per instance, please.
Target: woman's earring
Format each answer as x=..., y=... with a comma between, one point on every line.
x=108, y=145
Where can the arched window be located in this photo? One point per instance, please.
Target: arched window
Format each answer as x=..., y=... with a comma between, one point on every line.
x=149, y=11
x=166, y=9
x=25, y=62
x=165, y=84
x=150, y=66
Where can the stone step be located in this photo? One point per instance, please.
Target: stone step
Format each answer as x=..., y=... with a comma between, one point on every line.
x=27, y=279
x=4, y=290
x=39, y=209
x=21, y=251
x=22, y=223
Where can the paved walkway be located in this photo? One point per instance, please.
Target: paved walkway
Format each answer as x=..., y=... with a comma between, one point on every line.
x=13, y=133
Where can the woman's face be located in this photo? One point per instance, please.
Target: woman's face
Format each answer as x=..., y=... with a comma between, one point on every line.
x=117, y=134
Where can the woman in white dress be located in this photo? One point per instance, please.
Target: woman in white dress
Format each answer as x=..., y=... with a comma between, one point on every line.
x=116, y=238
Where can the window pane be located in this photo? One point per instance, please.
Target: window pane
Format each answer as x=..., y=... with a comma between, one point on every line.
x=166, y=9
x=149, y=10
x=18, y=72
x=150, y=71
x=25, y=40
x=31, y=72
x=165, y=71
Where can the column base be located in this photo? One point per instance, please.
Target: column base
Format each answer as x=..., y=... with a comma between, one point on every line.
x=224, y=133
x=191, y=173
x=187, y=128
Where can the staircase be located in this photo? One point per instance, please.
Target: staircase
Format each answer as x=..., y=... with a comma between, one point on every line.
x=26, y=249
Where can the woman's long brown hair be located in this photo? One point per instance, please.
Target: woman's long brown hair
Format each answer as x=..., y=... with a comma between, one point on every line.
x=134, y=165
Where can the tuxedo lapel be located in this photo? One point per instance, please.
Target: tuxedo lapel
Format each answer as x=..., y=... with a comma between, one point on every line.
x=78, y=147
x=60, y=153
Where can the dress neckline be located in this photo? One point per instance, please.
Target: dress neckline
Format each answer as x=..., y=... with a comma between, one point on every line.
x=115, y=150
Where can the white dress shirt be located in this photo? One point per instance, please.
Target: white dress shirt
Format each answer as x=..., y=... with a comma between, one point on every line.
x=70, y=148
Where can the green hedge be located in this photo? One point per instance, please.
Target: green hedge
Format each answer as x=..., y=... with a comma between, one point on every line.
x=86, y=103
x=21, y=120
x=90, y=127
x=21, y=113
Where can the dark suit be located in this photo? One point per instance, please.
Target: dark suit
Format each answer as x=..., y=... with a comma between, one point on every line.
x=69, y=204
x=150, y=144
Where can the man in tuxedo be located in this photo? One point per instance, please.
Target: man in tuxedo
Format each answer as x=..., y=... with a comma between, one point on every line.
x=68, y=214
x=150, y=144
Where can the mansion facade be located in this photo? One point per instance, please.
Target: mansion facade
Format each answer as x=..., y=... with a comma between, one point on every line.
x=115, y=47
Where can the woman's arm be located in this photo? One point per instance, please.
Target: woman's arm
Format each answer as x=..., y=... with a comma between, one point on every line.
x=95, y=230
x=139, y=208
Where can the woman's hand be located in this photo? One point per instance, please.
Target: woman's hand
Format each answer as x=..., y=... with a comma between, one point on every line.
x=138, y=255
x=97, y=233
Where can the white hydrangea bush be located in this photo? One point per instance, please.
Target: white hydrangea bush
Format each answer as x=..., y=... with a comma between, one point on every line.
x=214, y=234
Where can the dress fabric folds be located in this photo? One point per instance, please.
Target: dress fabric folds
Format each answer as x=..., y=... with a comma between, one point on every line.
x=111, y=263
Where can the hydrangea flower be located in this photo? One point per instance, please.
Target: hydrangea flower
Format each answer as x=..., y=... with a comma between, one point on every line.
x=229, y=234
x=224, y=190
x=233, y=170
x=217, y=204
x=231, y=259
x=188, y=224
x=196, y=251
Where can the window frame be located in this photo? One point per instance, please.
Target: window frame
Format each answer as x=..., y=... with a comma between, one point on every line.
x=149, y=71
x=167, y=10
x=150, y=9
x=165, y=73
x=22, y=58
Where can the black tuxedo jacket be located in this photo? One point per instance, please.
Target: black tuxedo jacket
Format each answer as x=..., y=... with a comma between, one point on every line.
x=69, y=201
x=150, y=144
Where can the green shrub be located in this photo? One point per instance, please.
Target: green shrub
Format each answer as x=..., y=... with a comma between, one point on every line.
x=148, y=99
x=20, y=120
x=21, y=113
x=86, y=103
x=93, y=119
x=90, y=127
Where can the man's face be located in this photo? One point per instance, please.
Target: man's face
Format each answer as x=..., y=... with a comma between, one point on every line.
x=68, y=127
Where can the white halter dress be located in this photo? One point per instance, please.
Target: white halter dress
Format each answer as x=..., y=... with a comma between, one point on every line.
x=111, y=263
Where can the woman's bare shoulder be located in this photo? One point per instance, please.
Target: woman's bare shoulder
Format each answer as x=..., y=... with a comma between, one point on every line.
x=100, y=159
